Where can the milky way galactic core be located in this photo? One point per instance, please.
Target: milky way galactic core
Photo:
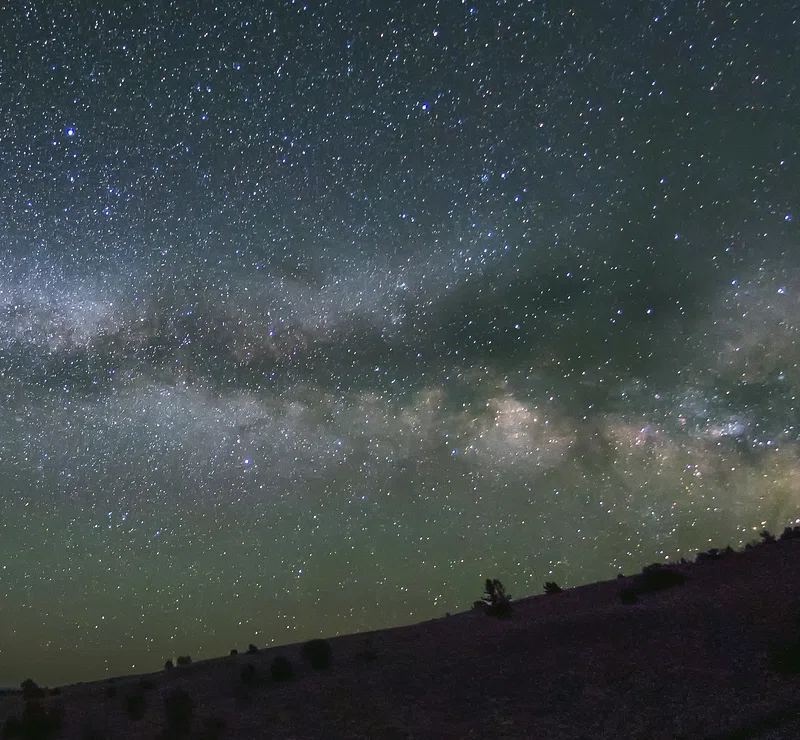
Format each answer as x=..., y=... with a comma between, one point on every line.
x=314, y=316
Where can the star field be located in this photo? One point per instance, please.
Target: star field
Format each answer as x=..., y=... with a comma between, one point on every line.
x=314, y=317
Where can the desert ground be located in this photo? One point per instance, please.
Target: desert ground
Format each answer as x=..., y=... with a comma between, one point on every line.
x=708, y=658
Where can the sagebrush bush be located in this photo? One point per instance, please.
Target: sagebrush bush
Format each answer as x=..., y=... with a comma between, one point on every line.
x=786, y=658
x=37, y=722
x=252, y=648
x=657, y=577
x=31, y=689
x=318, y=653
x=790, y=533
x=178, y=707
x=40, y=722
x=169, y=665
x=551, y=587
x=712, y=554
x=215, y=726
x=136, y=705
x=12, y=727
x=281, y=669
x=184, y=659
x=367, y=655
x=249, y=675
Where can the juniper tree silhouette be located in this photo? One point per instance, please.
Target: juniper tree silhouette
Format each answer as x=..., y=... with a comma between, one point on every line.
x=497, y=601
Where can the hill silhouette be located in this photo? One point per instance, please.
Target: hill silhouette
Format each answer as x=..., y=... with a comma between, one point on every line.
x=709, y=649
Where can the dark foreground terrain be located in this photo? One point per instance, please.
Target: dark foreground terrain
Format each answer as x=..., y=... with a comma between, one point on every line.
x=712, y=657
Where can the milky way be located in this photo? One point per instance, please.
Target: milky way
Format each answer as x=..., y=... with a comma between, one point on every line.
x=313, y=318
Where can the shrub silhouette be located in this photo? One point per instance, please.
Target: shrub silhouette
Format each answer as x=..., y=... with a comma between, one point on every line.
x=31, y=690
x=766, y=537
x=790, y=533
x=249, y=675
x=657, y=577
x=318, y=653
x=37, y=723
x=252, y=649
x=90, y=732
x=214, y=728
x=184, y=660
x=178, y=706
x=712, y=554
x=40, y=723
x=234, y=651
x=281, y=669
x=497, y=601
x=136, y=705
x=169, y=665
x=551, y=587
x=786, y=659
x=12, y=727
x=367, y=655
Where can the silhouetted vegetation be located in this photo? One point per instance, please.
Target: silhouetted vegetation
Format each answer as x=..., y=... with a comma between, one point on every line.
x=234, y=651
x=30, y=689
x=551, y=587
x=37, y=723
x=498, y=603
x=281, y=669
x=136, y=705
x=786, y=659
x=178, y=706
x=790, y=533
x=252, y=648
x=214, y=728
x=12, y=727
x=318, y=653
x=657, y=577
x=767, y=538
x=90, y=732
x=712, y=554
x=249, y=675
x=184, y=659
x=169, y=665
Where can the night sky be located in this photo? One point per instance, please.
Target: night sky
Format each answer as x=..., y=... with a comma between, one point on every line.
x=313, y=318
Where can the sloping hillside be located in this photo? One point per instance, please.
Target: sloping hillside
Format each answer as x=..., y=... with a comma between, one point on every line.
x=694, y=660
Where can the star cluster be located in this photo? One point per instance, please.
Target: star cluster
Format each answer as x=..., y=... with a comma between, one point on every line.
x=315, y=315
